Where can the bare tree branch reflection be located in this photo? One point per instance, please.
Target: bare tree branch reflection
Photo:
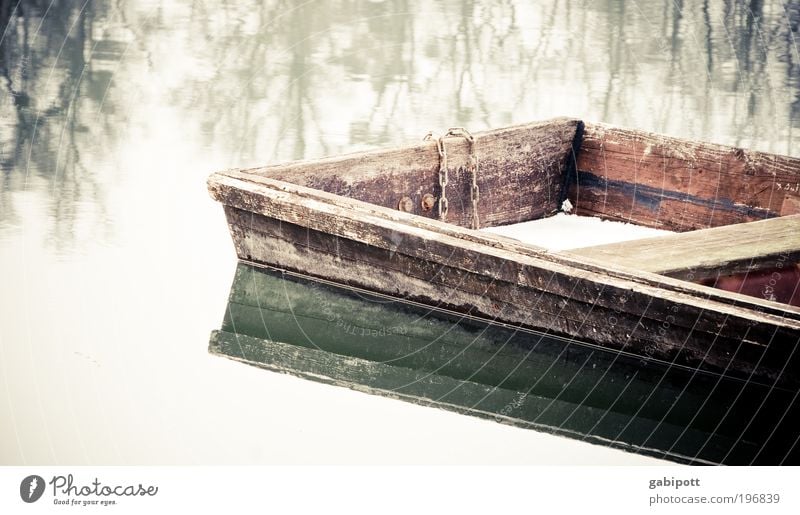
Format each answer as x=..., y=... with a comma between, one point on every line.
x=44, y=130
x=272, y=80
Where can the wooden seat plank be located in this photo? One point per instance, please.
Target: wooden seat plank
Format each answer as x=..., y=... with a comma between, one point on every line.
x=696, y=255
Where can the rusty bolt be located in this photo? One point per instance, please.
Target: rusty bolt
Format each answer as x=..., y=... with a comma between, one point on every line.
x=428, y=201
x=405, y=204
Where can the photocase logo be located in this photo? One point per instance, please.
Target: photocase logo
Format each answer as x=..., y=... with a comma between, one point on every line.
x=31, y=488
x=67, y=491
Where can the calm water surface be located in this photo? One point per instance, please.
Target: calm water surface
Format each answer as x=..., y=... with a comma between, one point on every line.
x=115, y=265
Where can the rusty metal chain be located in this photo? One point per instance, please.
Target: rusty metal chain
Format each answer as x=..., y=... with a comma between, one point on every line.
x=472, y=166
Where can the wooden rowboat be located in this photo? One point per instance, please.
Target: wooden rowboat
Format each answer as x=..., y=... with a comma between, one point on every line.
x=379, y=221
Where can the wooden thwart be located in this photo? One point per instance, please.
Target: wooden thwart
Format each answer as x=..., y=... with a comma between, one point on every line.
x=706, y=253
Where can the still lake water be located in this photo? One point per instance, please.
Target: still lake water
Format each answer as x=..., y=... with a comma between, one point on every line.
x=115, y=266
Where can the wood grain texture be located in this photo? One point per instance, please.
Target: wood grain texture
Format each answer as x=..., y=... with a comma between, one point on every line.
x=520, y=176
x=676, y=184
x=707, y=253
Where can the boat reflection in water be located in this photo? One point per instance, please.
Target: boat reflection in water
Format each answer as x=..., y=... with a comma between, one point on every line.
x=389, y=347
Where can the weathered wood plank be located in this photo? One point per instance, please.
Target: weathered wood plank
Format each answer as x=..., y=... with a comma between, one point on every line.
x=676, y=184
x=520, y=176
x=706, y=253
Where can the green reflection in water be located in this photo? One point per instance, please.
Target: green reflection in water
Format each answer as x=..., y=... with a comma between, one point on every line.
x=374, y=344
